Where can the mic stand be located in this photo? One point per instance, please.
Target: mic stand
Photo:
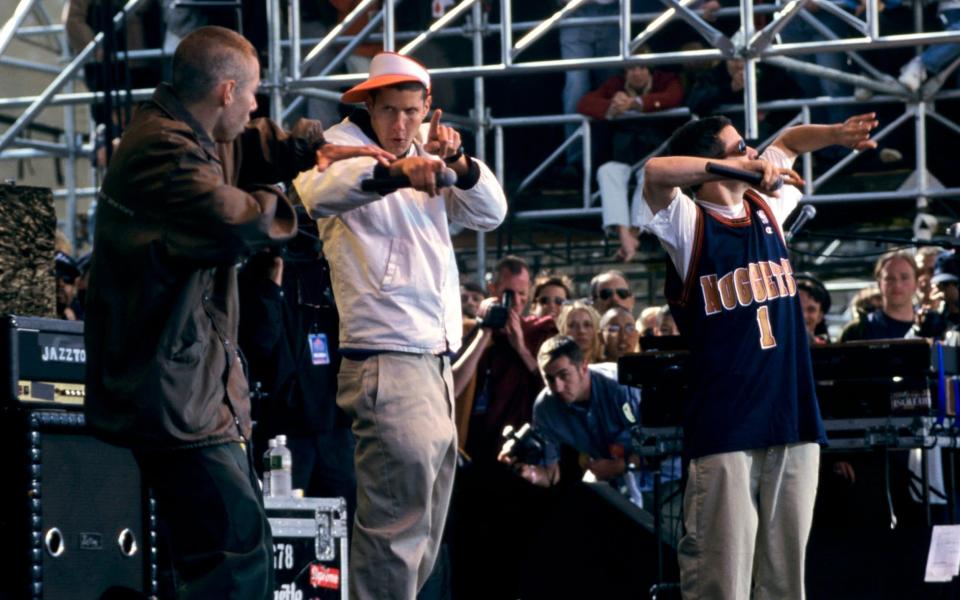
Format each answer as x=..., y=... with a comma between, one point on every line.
x=660, y=586
x=951, y=486
x=657, y=511
x=656, y=453
x=925, y=488
x=656, y=523
x=886, y=485
x=926, y=485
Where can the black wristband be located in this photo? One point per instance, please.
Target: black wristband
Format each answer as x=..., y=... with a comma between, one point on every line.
x=455, y=157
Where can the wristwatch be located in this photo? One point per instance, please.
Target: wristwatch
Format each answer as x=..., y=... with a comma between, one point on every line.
x=454, y=157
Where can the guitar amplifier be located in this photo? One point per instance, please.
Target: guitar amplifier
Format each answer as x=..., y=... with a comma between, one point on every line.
x=42, y=363
x=75, y=519
x=309, y=547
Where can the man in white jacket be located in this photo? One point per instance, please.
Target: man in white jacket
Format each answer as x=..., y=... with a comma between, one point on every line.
x=397, y=289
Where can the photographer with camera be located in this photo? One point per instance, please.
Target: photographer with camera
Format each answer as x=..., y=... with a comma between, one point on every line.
x=501, y=355
x=580, y=408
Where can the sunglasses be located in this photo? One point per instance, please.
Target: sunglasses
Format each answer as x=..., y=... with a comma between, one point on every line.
x=544, y=300
x=614, y=329
x=606, y=294
x=741, y=150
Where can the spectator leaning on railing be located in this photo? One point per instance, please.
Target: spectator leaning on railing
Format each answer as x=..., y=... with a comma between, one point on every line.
x=627, y=141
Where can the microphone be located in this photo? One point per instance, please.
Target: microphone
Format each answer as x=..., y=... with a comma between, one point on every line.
x=807, y=213
x=751, y=177
x=445, y=178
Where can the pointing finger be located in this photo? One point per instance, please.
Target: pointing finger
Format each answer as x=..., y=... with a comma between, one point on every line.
x=434, y=124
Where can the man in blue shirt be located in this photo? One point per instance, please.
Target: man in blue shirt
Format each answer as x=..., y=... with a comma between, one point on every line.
x=583, y=409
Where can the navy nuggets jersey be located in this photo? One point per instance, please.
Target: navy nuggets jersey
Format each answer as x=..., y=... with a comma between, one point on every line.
x=750, y=375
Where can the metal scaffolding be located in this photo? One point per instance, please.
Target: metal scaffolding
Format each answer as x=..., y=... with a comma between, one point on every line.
x=291, y=55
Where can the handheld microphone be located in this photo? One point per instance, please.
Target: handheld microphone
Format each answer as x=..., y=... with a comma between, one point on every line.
x=751, y=177
x=445, y=178
x=807, y=213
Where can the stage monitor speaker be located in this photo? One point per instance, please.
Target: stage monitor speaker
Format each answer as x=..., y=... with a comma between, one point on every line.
x=76, y=523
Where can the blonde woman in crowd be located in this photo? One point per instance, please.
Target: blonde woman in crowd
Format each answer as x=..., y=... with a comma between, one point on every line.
x=580, y=321
x=647, y=322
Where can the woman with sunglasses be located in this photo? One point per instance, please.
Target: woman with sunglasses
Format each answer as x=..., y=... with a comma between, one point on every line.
x=581, y=321
x=618, y=330
x=550, y=293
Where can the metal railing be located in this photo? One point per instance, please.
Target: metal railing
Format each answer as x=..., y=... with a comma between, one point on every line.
x=287, y=85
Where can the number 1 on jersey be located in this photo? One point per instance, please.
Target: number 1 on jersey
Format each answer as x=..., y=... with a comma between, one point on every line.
x=767, y=340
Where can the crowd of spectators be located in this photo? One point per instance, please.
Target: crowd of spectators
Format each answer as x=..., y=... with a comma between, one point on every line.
x=606, y=325
x=497, y=377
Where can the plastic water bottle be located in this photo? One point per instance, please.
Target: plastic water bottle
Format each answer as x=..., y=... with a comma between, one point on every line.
x=266, y=466
x=281, y=466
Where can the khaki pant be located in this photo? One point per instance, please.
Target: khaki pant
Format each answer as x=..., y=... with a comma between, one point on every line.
x=748, y=517
x=402, y=410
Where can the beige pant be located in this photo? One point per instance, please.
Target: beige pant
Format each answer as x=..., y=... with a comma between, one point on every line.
x=402, y=410
x=748, y=516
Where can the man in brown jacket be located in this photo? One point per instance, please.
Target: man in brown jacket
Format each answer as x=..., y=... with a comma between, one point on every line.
x=186, y=197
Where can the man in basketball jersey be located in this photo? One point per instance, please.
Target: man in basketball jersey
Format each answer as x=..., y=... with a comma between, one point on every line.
x=752, y=426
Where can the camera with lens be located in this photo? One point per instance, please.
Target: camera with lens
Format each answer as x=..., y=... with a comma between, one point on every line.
x=524, y=445
x=932, y=323
x=497, y=314
x=305, y=247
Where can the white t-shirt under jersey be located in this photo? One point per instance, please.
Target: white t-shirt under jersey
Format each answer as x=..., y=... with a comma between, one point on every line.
x=676, y=225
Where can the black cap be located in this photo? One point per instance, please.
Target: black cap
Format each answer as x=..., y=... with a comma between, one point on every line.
x=946, y=269
x=83, y=263
x=814, y=287
x=65, y=267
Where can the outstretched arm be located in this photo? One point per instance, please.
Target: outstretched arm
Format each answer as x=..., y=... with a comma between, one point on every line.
x=328, y=154
x=664, y=174
x=854, y=133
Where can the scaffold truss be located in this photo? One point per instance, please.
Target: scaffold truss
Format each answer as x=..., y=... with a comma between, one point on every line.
x=291, y=55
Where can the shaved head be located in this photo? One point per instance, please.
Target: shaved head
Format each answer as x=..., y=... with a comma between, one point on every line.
x=207, y=57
